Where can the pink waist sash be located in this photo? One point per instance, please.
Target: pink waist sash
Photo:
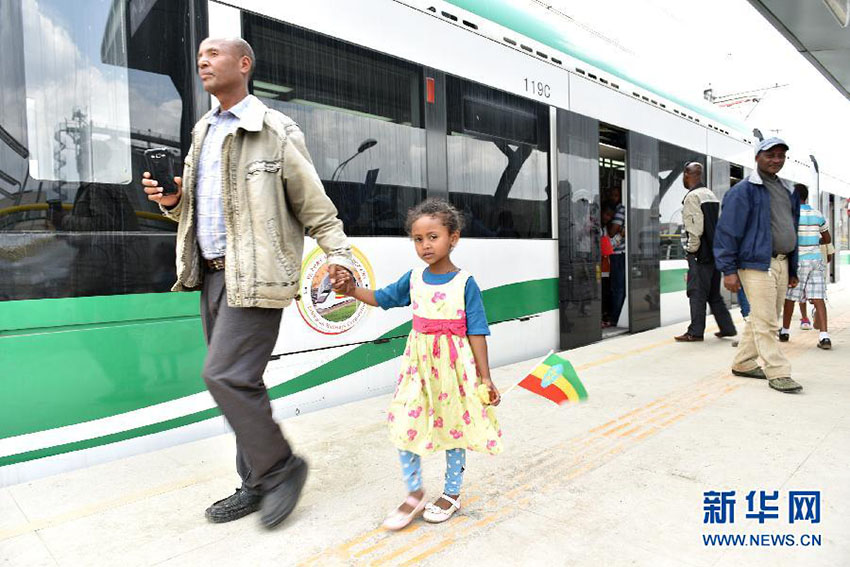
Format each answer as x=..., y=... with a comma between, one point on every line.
x=440, y=327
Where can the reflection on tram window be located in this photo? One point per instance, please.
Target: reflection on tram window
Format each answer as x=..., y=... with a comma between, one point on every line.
x=498, y=161
x=671, y=166
x=86, y=87
x=361, y=116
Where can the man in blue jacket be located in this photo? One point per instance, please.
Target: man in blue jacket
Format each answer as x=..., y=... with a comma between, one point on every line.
x=755, y=245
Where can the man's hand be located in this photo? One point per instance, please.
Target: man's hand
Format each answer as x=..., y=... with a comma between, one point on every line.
x=341, y=278
x=732, y=283
x=792, y=282
x=154, y=191
x=345, y=283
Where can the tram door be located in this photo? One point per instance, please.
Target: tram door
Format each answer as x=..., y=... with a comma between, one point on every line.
x=642, y=229
x=579, y=304
x=613, y=188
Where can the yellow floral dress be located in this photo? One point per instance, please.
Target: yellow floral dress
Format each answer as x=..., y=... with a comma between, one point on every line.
x=436, y=406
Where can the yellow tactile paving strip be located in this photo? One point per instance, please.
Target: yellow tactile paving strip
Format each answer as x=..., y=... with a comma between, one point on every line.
x=553, y=469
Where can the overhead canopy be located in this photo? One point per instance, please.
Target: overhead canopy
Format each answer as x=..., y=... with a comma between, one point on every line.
x=818, y=29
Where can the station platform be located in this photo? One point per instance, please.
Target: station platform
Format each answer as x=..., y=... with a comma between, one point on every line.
x=619, y=480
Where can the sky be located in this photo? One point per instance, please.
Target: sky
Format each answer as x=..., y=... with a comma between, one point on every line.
x=686, y=46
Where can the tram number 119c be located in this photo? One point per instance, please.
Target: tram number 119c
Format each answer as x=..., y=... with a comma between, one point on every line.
x=538, y=88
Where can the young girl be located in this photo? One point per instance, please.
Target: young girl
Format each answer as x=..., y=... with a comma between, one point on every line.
x=444, y=389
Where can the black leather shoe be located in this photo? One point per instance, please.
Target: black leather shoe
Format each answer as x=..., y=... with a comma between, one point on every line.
x=235, y=506
x=825, y=344
x=721, y=334
x=686, y=338
x=279, y=502
x=783, y=337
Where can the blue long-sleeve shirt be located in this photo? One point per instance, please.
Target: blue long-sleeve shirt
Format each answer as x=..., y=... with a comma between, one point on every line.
x=397, y=294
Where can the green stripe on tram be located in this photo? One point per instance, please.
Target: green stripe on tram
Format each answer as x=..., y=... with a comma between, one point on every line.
x=53, y=399
x=673, y=280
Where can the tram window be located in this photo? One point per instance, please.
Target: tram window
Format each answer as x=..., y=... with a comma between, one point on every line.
x=720, y=177
x=87, y=86
x=498, y=161
x=361, y=113
x=671, y=165
x=736, y=174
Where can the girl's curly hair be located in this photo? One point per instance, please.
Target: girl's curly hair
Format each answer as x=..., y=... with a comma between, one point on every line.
x=451, y=218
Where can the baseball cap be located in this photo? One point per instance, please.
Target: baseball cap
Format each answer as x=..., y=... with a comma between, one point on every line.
x=768, y=143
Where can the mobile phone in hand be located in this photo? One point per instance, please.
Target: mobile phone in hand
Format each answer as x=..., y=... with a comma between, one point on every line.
x=158, y=161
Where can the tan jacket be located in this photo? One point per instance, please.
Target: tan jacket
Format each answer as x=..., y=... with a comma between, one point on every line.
x=270, y=192
x=693, y=217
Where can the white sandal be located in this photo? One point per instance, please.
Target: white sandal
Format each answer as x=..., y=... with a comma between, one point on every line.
x=397, y=520
x=436, y=515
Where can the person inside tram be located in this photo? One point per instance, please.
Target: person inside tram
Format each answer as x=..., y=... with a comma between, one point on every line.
x=606, y=249
x=106, y=261
x=616, y=229
x=507, y=228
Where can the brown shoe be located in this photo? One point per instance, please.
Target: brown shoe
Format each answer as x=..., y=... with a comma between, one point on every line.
x=686, y=338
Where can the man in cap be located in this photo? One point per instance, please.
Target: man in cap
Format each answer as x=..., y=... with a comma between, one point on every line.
x=755, y=245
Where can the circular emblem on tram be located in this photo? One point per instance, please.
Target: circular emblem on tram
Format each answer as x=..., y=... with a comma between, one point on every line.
x=321, y=308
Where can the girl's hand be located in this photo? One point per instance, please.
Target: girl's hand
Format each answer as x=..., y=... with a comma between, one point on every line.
x=344, y=283
x=495, y=396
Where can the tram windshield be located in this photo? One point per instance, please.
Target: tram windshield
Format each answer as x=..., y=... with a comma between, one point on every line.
x=86, y=87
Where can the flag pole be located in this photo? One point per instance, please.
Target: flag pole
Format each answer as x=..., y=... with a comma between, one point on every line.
x=536, y=364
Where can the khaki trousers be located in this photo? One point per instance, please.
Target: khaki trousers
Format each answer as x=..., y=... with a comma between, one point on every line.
x=766, y=294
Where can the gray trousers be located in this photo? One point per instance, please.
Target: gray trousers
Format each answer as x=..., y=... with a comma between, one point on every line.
x=240, y=342
x=704, y=288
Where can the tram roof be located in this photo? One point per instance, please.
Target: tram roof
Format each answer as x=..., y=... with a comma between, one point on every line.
x=515, y=16
x=819, y=32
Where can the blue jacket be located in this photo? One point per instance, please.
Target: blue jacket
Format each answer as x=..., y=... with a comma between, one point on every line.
x=742, y=239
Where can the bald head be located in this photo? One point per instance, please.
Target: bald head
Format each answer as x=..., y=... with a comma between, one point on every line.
x=694, y=167
x=242, y=48
x=693, y=175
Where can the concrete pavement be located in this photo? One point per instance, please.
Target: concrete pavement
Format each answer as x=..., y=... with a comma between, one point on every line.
x=619, y=480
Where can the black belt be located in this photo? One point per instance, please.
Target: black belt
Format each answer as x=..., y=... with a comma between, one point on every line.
x=214, y=265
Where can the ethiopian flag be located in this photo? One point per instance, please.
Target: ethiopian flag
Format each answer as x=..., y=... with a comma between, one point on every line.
x=555, y=379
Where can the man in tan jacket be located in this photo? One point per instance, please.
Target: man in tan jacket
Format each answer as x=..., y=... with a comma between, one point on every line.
x=700, y=209
x=247, y=193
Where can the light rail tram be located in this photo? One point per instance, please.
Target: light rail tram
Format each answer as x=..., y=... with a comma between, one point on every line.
x=484, y=102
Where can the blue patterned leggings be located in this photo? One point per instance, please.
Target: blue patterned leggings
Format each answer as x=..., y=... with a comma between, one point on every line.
x=411, y=469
